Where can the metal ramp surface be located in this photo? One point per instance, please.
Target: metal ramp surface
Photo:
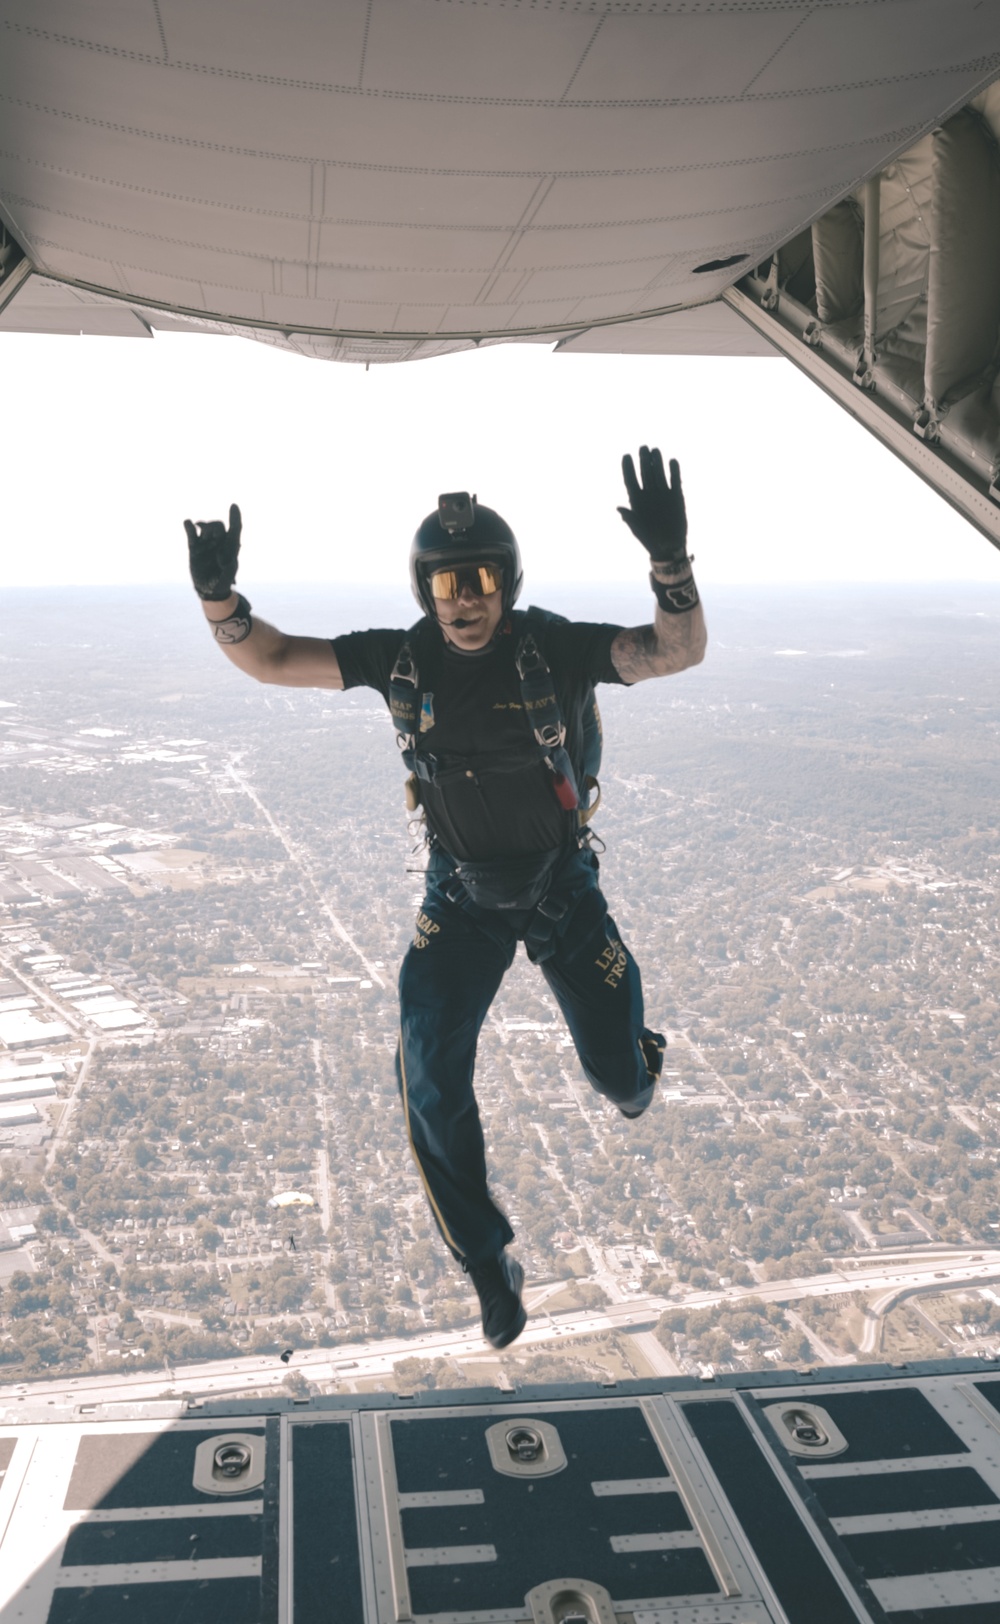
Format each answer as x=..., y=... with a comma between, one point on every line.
x=868, y=1494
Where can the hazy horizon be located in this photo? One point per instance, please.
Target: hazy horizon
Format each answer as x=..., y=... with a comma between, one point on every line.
x=334, y=466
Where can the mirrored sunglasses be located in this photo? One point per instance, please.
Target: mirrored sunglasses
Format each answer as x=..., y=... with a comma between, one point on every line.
x=482, y=579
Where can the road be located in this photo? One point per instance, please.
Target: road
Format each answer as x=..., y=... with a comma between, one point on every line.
x=227, y=1377
x=219, y=1378
x=322, y=1154
x=660, y=1362
x=871, y=1341
x=305, y=869
x=601, y=1274
x=926, y=1271
x=72, y=1101
x=823, y=1351
x=67, y=1014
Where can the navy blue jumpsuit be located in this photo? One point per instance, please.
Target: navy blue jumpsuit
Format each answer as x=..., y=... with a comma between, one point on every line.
x=493, y=799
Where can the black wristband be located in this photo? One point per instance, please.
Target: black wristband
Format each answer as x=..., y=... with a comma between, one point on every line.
x=675, y=597
x=236, y=628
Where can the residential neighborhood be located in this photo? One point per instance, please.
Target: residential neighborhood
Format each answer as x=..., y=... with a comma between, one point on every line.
x=205, y=891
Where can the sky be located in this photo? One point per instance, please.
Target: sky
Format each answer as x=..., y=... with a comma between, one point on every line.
x=110, y=443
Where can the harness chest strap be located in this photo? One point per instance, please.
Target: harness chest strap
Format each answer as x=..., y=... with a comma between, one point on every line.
x=538, y=696
x=541, y=708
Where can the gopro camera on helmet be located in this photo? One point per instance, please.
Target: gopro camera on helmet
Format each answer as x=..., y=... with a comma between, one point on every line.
x=456, y=511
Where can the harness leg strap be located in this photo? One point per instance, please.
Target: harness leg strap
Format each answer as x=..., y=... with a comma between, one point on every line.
x=539, y=938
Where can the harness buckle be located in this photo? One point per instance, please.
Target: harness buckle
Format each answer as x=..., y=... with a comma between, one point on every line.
x=405, y=668
x=403, y=706
x=528, y=657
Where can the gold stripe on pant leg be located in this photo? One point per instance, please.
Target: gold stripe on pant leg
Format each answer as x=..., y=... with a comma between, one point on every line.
x=416, y=1157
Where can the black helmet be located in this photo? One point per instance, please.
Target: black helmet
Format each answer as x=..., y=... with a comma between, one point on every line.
x=460, y=531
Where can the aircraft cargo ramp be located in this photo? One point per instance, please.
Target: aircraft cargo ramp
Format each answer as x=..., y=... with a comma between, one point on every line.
x=770, y=1498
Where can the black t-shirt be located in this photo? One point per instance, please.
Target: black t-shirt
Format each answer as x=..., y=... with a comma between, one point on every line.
x=493, y=796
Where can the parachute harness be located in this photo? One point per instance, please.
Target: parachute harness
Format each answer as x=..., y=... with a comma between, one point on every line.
x=538, y=696
x=410, y=712
x=405, y=700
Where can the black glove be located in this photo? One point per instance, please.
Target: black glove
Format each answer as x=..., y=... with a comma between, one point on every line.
x=655, y=514
x=213, y=552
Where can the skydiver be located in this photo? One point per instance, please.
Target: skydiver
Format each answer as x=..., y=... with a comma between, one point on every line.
x=494, y=713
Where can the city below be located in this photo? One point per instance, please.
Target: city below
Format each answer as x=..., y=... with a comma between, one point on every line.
x=205, y=889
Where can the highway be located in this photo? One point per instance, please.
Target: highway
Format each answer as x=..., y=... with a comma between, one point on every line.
x=940, y=1269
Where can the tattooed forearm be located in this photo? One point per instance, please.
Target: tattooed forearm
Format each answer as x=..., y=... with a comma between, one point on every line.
x=673, y=643
x=634, y=653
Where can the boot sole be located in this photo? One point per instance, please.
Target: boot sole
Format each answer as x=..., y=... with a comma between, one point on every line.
x=512, y=1330
x=633, y=1115
x=504, y=1338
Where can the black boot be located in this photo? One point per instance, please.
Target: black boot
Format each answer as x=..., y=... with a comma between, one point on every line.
x=498, y=1284
x=654, y=1047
